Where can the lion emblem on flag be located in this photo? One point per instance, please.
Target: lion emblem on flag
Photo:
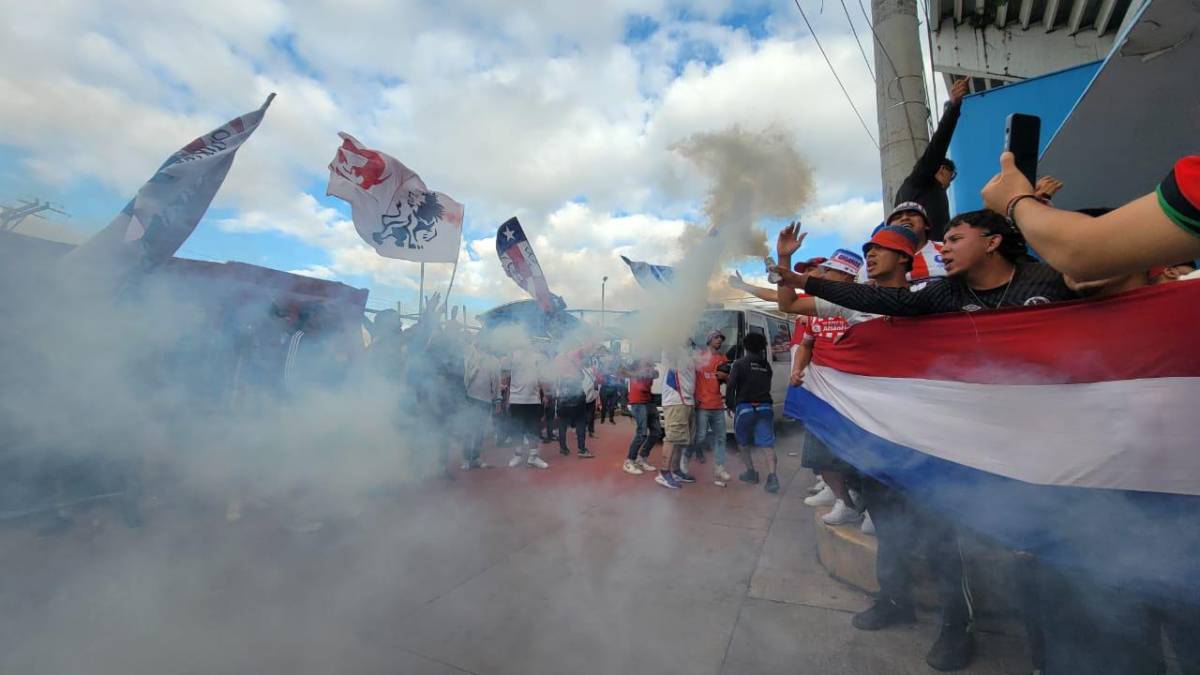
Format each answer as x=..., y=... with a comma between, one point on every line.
x=414, y=222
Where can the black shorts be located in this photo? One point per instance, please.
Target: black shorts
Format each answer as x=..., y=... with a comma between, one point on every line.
x=817, y=456
x=526, y=417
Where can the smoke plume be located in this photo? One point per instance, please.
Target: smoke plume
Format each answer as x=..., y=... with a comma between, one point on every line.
x=751, y=175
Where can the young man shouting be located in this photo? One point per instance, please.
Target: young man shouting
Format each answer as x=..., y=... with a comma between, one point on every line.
x=889, y=257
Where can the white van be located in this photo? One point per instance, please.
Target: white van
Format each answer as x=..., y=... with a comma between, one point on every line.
x=735, y=321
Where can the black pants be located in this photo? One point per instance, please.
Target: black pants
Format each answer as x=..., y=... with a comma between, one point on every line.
x=576, y=416
x=548, y=417
x=1088, y=627
x=903, y=529
x=608, y=403
x=590, y=413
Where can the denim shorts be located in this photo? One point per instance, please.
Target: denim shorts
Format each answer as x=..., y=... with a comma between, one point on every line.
x=754, y=424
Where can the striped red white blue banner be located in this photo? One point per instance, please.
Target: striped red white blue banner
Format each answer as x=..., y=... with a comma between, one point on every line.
x=1026, y=423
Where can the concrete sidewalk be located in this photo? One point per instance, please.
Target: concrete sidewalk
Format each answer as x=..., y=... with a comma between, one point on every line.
x=577, y=569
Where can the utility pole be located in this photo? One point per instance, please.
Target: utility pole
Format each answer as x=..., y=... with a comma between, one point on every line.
x=11, y=216
x=899, y=91
x=603, y=283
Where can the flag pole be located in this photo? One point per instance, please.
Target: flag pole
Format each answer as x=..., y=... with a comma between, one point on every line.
x=421, y=293
x=451, y=287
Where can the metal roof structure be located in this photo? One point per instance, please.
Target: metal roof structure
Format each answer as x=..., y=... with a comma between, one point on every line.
x=999, y=41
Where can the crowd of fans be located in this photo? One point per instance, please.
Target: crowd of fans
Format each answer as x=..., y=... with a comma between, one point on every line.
x=919, y=261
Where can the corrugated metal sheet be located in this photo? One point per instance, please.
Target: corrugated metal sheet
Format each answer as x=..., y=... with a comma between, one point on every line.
x=995, y=42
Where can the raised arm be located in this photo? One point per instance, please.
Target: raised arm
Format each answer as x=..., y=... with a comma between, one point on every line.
x=789, y=241
x=939, y=144
x=1160, y=228
x=735, y=281
x=871, y=299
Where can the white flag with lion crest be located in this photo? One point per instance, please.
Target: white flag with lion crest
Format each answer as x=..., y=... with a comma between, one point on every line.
x=392, y=209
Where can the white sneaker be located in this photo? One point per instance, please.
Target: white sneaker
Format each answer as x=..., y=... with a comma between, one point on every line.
x=868, y=525
x=721, y=474
x=632, y=468
x=823, y=498
x=516, y=461
x=645, y=466
x=536, y=462
x=466, y=466
x=817, y=486
x=841, y=515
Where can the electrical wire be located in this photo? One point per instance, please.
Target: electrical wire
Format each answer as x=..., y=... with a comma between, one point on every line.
x=835, y=76
x=912, y=135
x=859, y=42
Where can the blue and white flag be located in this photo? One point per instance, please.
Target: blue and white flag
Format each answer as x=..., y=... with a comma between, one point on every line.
x=650, y=276
x=165, y=211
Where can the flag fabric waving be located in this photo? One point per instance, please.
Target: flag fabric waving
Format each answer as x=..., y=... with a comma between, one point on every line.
x=650, y=276
x=165, y=211
x=521, y=265
x=1027, y=423
x=392, y=209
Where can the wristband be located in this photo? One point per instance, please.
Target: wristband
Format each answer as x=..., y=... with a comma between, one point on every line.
x=1012, y=205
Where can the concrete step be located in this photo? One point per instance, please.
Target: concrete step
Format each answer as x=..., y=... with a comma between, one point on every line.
x=849, y=556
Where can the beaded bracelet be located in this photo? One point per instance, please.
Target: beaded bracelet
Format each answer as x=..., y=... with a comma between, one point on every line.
x=1012, y=204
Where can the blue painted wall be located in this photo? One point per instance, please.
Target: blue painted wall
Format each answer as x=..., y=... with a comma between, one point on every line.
x=979, y=138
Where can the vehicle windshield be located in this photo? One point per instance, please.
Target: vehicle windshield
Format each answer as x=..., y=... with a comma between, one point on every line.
x=724, y=320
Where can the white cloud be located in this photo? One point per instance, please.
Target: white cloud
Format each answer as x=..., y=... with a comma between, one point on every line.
x=512, y=107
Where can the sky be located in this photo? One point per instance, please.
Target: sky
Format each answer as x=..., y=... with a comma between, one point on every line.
x=562, y=114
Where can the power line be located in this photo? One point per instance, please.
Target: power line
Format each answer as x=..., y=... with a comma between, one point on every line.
x=835, y=76
x=859, y=42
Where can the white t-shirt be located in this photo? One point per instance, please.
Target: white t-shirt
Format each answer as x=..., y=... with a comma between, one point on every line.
x=481, y=374
x=525, y=377
x=679, y=384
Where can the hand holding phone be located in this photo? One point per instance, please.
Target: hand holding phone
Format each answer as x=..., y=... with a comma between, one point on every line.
x=1022, y=134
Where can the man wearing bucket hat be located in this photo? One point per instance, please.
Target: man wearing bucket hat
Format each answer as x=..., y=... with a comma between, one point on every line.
x=927, y=262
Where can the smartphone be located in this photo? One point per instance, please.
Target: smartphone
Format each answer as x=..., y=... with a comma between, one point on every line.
x=1021, y=136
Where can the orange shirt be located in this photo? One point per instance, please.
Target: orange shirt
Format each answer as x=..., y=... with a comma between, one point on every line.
x=708, y=387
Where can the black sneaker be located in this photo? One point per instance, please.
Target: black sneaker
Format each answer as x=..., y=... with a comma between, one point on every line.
x=954, y=649
x=882, y=614
x=683, y=477
x=562, y=450
x=584, y=453
x=772, y=484
x=749, y=476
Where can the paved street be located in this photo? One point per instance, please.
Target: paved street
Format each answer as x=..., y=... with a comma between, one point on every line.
x=578, y=569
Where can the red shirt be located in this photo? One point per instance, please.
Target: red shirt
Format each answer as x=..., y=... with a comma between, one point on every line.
x=828, y=328
x=639, y=389
x=798, y=330
x=708, y=387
